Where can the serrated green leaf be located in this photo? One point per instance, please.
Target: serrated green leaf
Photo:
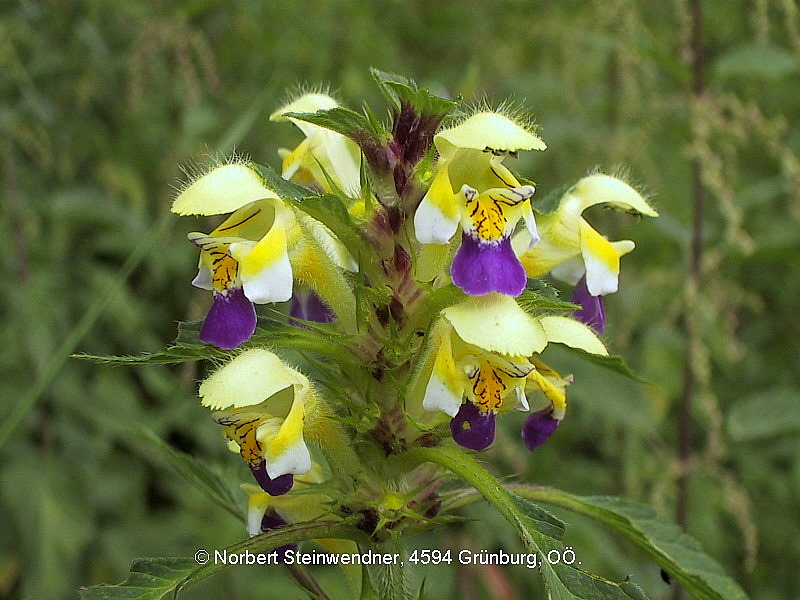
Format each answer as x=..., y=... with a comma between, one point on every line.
x=675, y=551
x=367, y=133
x=388, y=84
x=149, y=579
x=268, y=332
x=765, y=415
x=285, y=189
x=273, y=333
x=162, y=578
x=195, y=473
x=172, y=355
x=539, y=530
x=401, y=90
x=540, y=519
x=613, y=363
x=535, y=303
x=525, y=516
x=567, y=582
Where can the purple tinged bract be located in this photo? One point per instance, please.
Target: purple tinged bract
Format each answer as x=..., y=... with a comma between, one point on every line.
x=480, y=268
x=231, y=320
x=471, y=428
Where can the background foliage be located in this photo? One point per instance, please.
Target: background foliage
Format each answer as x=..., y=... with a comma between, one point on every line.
x=103, y=102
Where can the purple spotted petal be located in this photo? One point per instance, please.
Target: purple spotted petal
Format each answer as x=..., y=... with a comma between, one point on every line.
x=274, y=487
x=307, y=305
x=480, y=268
x=231, y=320
x=538, y=428
x=471, y=428
x=272, y=520
x=591, y=312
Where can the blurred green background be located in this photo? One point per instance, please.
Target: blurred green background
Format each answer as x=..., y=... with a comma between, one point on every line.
x=102, y=104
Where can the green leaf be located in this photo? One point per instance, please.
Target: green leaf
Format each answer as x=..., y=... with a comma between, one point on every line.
x=195, y=473
x=765, y=415
x=149, y=579
x=616, y=364
x=633, y=590
x=565, y=582
x=268, y=332
x=390, y=83
x=275, y=334
x=535, y=303
x=367, y=133
x=539, y=530
x=172, y=355
x=524, y=515
x=535, y=516
x=675, y=551
x=401, y=90
x=162, y=578
x=285, y=189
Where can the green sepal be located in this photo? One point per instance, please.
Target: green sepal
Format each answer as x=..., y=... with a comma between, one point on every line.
x=551, y=201
x=331, y=211
x=435, y=303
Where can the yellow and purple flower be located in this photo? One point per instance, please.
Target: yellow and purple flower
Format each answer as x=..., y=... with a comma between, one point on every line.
x=325, y=159
x=485, y=358
x=244, y=261
x=258, y=252
x=572, y=250
x=265, y=408
x=472, y=188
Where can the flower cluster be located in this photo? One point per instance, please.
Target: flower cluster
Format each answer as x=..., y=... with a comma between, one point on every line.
x=409, y=333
